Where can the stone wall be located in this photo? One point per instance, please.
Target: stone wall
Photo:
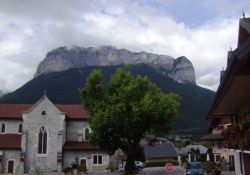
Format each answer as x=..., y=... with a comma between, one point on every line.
x=12, y=155
x=53, y=121
x=73, y=129
x=11, y=125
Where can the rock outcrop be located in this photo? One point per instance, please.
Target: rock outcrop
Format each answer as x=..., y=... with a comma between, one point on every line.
x=62, y=58
x=183, y=71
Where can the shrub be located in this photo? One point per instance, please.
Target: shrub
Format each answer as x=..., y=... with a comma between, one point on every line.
x=75, y=164
x=82, y=168
x=162, y=163
x=110, y=167
x=66, y=170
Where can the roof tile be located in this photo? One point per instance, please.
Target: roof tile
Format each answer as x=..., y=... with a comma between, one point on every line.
x=10, y=141
x=14, y=111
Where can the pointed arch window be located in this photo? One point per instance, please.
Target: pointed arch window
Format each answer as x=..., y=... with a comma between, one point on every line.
x=42, y=140
x=3, y=128
x=20, y=128
x=87, y=134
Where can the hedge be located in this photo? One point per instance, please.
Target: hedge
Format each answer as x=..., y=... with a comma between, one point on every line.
x=162, y=163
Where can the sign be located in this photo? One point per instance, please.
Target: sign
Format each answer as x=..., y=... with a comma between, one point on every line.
x=169, y=167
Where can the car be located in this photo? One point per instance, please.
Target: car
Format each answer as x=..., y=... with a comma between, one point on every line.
x=194, y=168
x=139, y=165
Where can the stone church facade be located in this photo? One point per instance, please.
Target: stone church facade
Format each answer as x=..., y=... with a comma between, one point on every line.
x=45, y=137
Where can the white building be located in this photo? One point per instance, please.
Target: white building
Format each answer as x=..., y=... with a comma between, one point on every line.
x=45, y=137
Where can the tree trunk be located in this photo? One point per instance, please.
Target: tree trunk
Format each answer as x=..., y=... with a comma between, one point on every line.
x=130, y=167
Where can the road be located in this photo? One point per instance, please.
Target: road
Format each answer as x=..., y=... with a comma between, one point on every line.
x=161, y=171
x=152, y=171
x=178, y=170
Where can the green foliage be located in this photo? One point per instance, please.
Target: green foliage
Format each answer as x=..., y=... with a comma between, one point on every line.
x=184, y=159
x=66, y=170
x=111, y=166
x=93, y=90
x=162, y=163
x=129, y=107
x=82, y=168
x=75, y=164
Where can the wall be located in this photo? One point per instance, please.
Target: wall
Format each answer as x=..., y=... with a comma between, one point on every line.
x=54, y=122
x=224, y=152
x=73, y=127
x=11, y=126
x=12, y=155
x=69, y=157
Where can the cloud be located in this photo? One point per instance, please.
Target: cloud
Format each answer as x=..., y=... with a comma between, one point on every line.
x=28, y=30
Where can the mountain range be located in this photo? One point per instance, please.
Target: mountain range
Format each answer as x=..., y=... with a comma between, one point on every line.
x=63, y=58
x=62, y=83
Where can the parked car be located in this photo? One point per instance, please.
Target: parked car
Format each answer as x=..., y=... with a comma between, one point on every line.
x=139, y=165
x=194, y=168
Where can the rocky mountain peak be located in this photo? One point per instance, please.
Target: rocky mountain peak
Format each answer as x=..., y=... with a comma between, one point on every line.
x=183, y=71
x=62, y=58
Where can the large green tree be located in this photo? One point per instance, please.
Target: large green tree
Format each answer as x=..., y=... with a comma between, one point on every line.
x=125, y=110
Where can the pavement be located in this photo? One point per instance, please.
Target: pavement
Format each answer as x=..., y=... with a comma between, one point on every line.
x=178, y=170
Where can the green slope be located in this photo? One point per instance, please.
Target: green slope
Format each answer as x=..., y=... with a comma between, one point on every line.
x=62, y=87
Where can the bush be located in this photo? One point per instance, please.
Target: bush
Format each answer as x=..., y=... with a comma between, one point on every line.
x=110, y=167
x=82, y=168
x=162, y=163
x=75, y=164
x=66, y=170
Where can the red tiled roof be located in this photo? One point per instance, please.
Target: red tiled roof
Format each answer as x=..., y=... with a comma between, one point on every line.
x=14, y=111
x=74, y=111
x=74, y=145
x=10, y=141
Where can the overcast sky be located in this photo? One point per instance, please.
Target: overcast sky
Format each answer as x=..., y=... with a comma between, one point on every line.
x=202, y=30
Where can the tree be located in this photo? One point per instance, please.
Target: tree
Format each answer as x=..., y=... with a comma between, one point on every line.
x=125, y=110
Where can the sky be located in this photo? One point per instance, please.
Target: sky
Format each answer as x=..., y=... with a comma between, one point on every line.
x=201, y=30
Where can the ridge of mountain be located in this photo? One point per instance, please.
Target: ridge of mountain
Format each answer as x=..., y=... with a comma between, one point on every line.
x=63, y=58
x=63, y=88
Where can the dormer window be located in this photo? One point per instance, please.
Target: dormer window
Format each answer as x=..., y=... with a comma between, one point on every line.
x=3, y=128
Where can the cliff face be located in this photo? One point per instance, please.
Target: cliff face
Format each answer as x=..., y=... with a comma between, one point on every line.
x=61, y=59
x=183, y=71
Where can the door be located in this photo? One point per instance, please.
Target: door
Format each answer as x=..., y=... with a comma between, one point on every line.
x=83, y=162
x=11, y=166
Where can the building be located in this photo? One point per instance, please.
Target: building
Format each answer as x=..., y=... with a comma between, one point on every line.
x=216, y=136
x=232, y=101
x=160, y=151
x=44, y=137
x=190, y=150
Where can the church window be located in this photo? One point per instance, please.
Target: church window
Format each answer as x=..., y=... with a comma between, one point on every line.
x=42, y=141
x=87, y=134
x=3, y=128
x=43, y=113
x=20, y=128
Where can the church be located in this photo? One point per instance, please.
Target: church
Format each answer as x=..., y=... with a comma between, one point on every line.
x=46, y=137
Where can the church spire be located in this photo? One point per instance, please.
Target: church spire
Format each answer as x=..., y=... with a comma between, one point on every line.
x=243, y=14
